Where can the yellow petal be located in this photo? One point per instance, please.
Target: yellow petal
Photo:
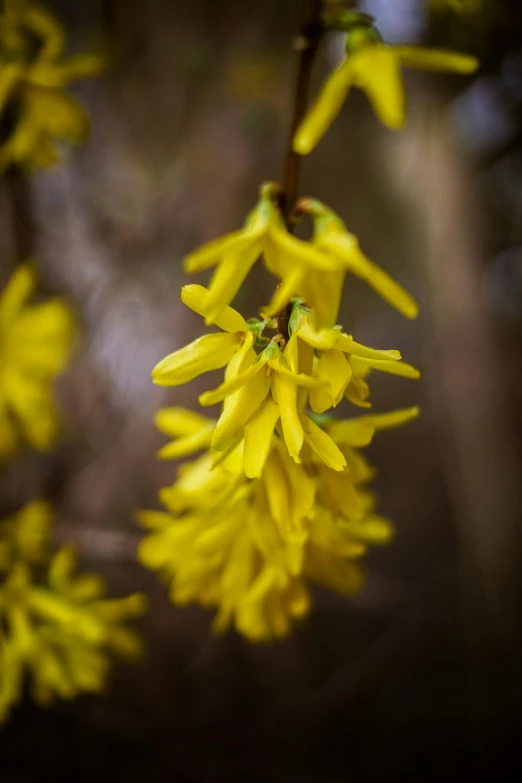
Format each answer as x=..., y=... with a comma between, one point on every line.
x=358, y=392
x=284, y=392
x=321, y=339
x=393, y=368
x=301, y=254
x=82, y=66
x=372, y=530
x=384, y=421
x=342, y=497
x=302, y=496
x=377, y=72
x=436, y=59
x=325, y=109
x=231, y=386
x=19, y=288
x=177, y=421
x=239, y=410
x=210, y=253
x=347, y=344
x=353, y=432
x=204, y=354
x=334, y=370
x=298, y=379
x=277, y=490
x=34, y=406
x=153, y=520
x=188, y=444
x=259, y=432
x=322, y=444
x=62, y=567
x=357, y=263
x=227, y=280
x=288, y=287
x=322, y=292
x=197, y=296
x=47, y=28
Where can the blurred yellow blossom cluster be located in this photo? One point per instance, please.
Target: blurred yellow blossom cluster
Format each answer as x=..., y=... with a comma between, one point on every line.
x=36, y=110
x=35, y=343
x=277, y=497
x=57, y=629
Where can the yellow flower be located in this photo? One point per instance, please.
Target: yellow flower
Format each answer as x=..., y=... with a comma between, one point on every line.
x=207, y=353
x=267, y=393
x=33, y=86
x=234, y=254
x=61, y=632
x=374, y=67
x=35, y=342
x=322, y=292
x=262, y=393
x=340, y=362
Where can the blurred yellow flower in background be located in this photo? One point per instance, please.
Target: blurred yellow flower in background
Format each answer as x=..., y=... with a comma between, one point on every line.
x=35, y=343
x=32, y=84
x=55, y=626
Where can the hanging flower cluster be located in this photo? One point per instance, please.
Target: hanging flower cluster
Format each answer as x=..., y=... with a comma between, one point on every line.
x=33, y=76
x=35, y=343
x=279, y=496
x=57, y=629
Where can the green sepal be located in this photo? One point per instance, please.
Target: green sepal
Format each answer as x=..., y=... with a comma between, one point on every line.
x=321, y=418
x=256, y=326
x=361, y=36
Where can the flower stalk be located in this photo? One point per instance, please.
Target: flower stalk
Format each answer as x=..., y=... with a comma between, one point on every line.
x=307, y=42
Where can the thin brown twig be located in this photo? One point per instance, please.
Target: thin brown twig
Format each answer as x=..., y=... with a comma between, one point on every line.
x=308, y=43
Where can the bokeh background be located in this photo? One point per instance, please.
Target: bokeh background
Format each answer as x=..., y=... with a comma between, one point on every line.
x=418, y=677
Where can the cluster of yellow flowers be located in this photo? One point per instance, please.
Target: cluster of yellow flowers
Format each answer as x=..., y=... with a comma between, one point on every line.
x=34, y=73
x=54, y=625
x=279, y=497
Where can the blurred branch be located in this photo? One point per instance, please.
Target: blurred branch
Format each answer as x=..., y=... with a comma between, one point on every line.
x=22, y=216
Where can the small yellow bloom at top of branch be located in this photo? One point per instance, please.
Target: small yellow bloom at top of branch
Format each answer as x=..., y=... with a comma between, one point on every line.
x=374, y=67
